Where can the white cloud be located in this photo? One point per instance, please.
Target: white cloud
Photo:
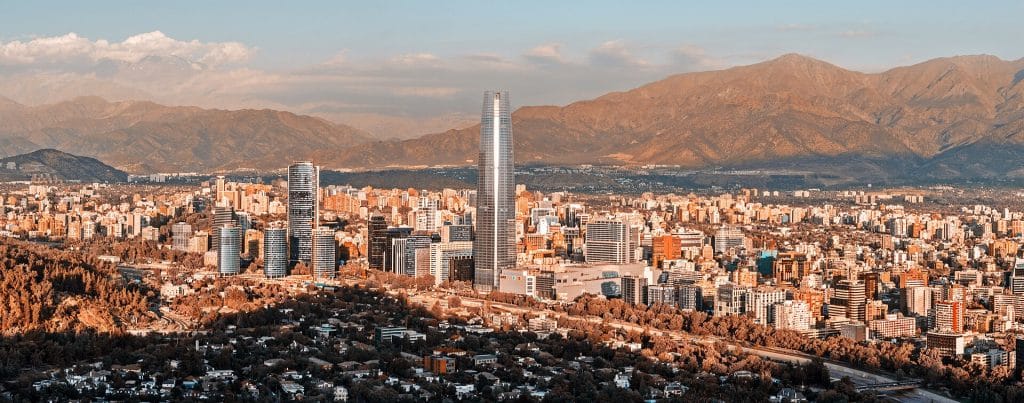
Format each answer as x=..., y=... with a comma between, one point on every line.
x=416, y=59
x=693, y=57
x=71, y=48
x=387, y=93
x=546, y=53
x=615, y=54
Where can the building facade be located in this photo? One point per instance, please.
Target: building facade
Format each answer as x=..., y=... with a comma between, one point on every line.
x=494, y=248
x=303, y=209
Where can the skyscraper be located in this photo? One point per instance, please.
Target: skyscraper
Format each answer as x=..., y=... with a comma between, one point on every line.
x=303, y=209
x=227, y=255
x=376, y=231
x=275, y=251
x=495, y=246
x=324, y=258
x=223, y=216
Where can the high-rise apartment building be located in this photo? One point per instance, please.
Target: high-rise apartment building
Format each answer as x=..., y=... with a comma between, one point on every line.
x=181, y=232
x=761, y=302
x=948, y=316
x=848, y=300
x=610, y=241
x=727, y=238
x=731, y=299
x=303, y=209
x=426, y=215
x=494, y=248
x=633, y=289
x=916, y=301
x=792, y=315
x=275, y=251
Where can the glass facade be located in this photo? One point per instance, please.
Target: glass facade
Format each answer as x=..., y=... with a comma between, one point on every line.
x=228, y=254
x=275, y=251
x=325, y=262
x=303, y=181
x=494, y=247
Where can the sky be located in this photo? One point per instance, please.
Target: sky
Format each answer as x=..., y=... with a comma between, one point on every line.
x=400, y=68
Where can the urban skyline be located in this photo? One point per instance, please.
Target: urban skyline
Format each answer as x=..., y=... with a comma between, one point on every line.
x=780, y=202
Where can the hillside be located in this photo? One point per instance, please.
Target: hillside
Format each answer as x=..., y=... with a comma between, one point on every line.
x=139, y=136
x=58, y=165
x=948, y=118
x=940, y=114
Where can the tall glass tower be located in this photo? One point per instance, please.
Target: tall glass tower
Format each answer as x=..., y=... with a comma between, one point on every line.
x=494, y=248
x=227, y=255
x=275, y=251
x=303, y=209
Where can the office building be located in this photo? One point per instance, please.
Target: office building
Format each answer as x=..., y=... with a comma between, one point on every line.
x=664, y=294
x=181, y=232
x=392, y=235
x=610, y=241
x=791, y=267
x=324, y=259
x=376, y=232
x=223, y=216
x=731, y=299
x=275, y=251
x=303, y=209
x=228, y=257
x=728, y=238
x=494, y=248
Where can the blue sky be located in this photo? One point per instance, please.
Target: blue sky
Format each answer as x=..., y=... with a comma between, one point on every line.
x=428, y=60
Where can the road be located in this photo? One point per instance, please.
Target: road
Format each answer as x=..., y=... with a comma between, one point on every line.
x=836, y=369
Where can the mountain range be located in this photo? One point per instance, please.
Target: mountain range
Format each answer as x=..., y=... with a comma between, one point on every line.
x=944, y=118
x=140, y=136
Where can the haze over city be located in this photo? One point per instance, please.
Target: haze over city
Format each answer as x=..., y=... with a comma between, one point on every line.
x=522, y=201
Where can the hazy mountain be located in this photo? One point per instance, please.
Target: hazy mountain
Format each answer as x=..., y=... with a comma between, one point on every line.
x=142, y=136
x=944, y=118
x=58, y=165
x=781, y=111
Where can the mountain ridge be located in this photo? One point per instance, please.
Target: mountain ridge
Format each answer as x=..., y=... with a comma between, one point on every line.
x=58, y=165
x=143, y=136
x=786, y=107
x=940, y=113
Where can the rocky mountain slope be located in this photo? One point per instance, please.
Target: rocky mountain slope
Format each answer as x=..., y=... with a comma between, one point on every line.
x=940, y=114
x=140, y=136
x=53, y=164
